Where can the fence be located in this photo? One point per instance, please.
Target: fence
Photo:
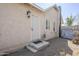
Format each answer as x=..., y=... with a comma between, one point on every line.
x=68, y=31
x=75, y=27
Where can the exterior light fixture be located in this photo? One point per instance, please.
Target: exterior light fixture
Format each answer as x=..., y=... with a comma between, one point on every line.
x=28, y=13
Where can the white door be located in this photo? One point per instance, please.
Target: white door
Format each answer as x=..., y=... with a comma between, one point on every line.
x=35, y=28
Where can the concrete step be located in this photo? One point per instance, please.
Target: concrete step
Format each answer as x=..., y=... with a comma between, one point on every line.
x=34, y=47
x=31, y=49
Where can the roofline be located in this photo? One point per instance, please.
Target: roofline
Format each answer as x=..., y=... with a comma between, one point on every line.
x=54, y=6
x=41, y=9
x=38, y=7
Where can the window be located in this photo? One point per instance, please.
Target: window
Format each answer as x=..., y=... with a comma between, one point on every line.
x=54, y=26
x=47, y=24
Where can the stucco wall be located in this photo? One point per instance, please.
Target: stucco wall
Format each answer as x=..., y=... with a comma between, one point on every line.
x=15, y=27
x=53, y=17
x=41, y=18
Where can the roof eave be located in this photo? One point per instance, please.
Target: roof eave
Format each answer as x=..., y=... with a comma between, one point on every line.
x=44, y=10
x=33, y=4
x=54, y=6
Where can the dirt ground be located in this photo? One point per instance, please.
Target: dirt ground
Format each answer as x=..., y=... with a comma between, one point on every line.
x=57, y=47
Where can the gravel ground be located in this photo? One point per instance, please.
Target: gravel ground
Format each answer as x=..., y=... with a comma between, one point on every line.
x=57, y=47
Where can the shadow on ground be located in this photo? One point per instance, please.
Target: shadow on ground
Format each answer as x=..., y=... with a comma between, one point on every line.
x=57, y=47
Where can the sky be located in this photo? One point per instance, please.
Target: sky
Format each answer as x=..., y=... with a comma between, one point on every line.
x=68, y=9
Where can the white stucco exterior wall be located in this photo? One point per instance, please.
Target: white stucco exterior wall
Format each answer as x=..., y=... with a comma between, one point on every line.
x=53, y=17
x=16, y=28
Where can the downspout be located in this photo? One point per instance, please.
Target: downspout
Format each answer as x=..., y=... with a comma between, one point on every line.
x=60, y=21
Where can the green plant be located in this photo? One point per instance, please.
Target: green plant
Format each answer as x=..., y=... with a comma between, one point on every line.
x=70, y=20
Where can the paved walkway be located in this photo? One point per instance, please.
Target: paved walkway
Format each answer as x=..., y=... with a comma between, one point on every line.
x=57, y=47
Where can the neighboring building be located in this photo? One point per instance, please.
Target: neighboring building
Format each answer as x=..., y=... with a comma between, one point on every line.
x=23, y=23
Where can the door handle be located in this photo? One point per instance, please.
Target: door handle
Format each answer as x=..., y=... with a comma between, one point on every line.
x=0, y=34
x=32, y=29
